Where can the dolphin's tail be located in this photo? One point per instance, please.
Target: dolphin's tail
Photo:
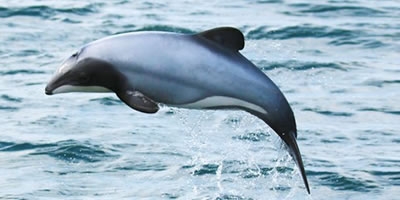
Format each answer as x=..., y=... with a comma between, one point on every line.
x=291, y=145
x=290, y=141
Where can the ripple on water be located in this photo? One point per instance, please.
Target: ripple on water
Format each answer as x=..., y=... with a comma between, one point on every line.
x=5, y=145
x=26, y=52
x=391, y=177
x=147, y=5
x=206, y=169
x=326, y=10
x=253, y=136
x=338, y=36
x=20, y=71
x=244, y=169
x=50, y=120
x=366, y=43
x=381, y=83
x=338, y=139
x=268, y=1
x=142, y=167
x=46, y=12
x=232, y=197
x=298, y=65
x=8, y=108
x=252, y=172
x=170, y=196
x=328, y=112
x=396, y=141
x=381, y=110
x=73, y=151
x=337, y=181
x=10, y=146
x=107, y=101
x=10, y=98
x=301, y=31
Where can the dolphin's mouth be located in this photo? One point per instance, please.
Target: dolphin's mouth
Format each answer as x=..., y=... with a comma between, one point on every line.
x=56, y=82
x=48, y=91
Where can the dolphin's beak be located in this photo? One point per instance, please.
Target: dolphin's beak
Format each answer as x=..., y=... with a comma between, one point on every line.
x=56, y=81
x=48, y=90
x=52, y=85
x=290, y=141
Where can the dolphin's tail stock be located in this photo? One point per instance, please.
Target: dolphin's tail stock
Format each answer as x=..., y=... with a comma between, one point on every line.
x=291, y=145
x=289, y=139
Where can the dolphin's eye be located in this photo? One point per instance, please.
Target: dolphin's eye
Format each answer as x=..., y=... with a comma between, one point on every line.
x=75, y=54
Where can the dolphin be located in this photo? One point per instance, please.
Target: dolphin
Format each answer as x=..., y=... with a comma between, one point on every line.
x=198, y=71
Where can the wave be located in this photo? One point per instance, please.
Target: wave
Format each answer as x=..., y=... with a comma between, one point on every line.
x=74, y=151
x=392, y=177
x=328, y=112
x=253, y=136
x=301, y=31
x=338, y=36
x=10, y=146
x=338, y=139
x=10, y=99
x=381, y=110
x=206, y=169
x=366, y=43
x=20, y=71
x=298, y=65
x=381, y=83
x=142, y=167
x=268, y=1
x=337, y=181
x=47, y=12
x=69, y=150
x=238, y=167
x=8, y=108
x=107, y=101
x=25, y=52
x=232, y=197
x=334, y=10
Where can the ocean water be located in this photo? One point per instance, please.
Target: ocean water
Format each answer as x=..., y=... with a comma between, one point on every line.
x=336, y=61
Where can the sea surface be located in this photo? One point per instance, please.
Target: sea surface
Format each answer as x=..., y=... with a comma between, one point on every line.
x=336, y=61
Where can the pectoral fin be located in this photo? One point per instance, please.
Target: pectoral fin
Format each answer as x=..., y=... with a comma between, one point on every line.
x=138, y=101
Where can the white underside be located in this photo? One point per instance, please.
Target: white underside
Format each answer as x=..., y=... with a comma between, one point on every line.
x=72, y=88
x=220, y=101
x=209, y=102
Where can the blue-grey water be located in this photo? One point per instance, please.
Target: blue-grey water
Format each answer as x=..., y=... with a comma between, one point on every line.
x=337, y=62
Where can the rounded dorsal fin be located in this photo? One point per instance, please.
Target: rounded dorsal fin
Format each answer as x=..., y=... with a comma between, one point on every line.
x=227, y=37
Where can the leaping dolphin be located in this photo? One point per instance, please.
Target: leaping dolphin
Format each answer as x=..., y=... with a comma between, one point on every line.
x=200, y=71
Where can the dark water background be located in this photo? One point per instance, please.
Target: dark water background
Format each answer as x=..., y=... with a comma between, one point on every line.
x=338, y=63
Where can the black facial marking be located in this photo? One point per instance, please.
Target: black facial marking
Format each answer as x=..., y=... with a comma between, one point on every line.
x=84, y=78
x=96, y=72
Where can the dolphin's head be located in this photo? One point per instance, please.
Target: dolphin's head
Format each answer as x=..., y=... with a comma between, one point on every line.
x=80, y=73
